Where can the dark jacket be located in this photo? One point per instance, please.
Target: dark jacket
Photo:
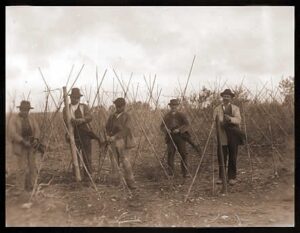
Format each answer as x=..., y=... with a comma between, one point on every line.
x=173, y=121
x=83, y=111
x=119, y=125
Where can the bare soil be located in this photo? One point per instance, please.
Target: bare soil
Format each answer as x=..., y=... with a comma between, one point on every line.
x=264, y=200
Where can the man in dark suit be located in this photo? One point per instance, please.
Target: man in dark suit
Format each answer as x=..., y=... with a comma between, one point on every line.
x=175, y=124
x=119, y=130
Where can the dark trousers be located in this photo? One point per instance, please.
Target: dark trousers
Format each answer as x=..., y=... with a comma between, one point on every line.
x=230, y=157
x=84, y=144
x=180, y=144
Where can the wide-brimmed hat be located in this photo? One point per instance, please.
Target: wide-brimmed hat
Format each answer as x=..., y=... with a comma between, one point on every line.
x=119, y=101
x=227, y=92
x=25, y=105
x=174, y=102
x=75, y=92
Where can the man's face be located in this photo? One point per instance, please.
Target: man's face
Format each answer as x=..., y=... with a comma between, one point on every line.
x=75, y=100
x=120, y=108
x=226, y=99
x=24, y=112
x=174, y=108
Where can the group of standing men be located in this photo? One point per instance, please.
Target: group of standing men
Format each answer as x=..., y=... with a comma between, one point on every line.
x=24, y=135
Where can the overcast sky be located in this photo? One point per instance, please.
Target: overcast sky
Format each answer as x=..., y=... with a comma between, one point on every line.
x=230, y=43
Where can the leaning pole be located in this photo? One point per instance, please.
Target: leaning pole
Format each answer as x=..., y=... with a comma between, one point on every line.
x=221, y=157
x=71, y=136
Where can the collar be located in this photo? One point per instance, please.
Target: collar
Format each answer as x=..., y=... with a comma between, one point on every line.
x=223, y=106
x=117, y=115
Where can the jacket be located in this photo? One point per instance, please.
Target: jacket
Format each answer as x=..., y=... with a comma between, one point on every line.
x=120, y=125
x=173, y=121
x=235, y=120
x=15, y=137
x=86, y=114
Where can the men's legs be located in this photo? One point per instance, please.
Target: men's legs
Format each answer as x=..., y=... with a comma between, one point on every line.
x=225, y=153
x=32, y=174
x=87, y=155
x=171, y=154
x=182, y=151
x=233, y=150
x=114, y=163
x=21, y=171
x=125, y=162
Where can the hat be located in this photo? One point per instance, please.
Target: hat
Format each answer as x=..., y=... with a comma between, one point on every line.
x=119, y=101
x=227, y=92
x=25, y=105
x=75, y=92
x=174, y=102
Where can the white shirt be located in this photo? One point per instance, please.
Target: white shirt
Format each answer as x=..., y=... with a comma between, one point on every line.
x=73, y=108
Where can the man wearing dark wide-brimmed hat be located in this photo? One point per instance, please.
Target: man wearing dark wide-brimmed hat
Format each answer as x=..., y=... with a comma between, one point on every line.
x=23, y=133
x=119, y=130
x=80, y=119
x=230, y=135
x=173, y=125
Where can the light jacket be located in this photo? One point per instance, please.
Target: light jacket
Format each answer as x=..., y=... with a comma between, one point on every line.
x=15, y=133
x=235, y=119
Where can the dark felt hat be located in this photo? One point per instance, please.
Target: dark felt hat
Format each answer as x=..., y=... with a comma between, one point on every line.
x=119, y=101
x=75, y=92
x=174, y=102
x=227, y=92
x=25, y=105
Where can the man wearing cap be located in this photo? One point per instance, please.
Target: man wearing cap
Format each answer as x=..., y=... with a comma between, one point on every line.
x=119, y=134
x=23, y=134
x=80, y=119
x=174, y=124
x=230, y=118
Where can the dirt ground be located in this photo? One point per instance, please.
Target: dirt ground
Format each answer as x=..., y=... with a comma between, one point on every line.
x=158, y=202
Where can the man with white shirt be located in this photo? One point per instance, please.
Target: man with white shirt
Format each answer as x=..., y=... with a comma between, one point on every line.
x=80, y=117
x=230, y=135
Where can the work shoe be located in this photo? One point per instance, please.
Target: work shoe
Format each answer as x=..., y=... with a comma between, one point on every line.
x=232, y=181
x=219, y=181
x=132, y=185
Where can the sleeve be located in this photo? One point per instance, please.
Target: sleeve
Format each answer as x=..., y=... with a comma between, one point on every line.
x=13, y=132
x=216, y=113
x=108, y=124
x=236, y=119
x=184, y=123
x=87, y=114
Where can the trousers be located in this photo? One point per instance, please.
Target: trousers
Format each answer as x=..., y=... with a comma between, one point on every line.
x=230, y=152
x=84, y=144
x=119, y=157
x=26, y=172
x=180, y=144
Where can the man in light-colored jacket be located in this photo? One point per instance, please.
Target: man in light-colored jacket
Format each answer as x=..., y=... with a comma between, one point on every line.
x=23, y=134
x=80, y=119
x=230, y=118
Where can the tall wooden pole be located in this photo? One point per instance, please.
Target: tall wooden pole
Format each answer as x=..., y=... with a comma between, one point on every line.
x=71, y=136
x=220, y=155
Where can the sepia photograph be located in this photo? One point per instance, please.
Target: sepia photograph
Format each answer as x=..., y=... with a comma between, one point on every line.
x=156, y=116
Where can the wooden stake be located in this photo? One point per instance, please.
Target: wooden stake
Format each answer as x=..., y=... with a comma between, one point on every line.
x=221, y=156
x=71, y=135
x=247, y=144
